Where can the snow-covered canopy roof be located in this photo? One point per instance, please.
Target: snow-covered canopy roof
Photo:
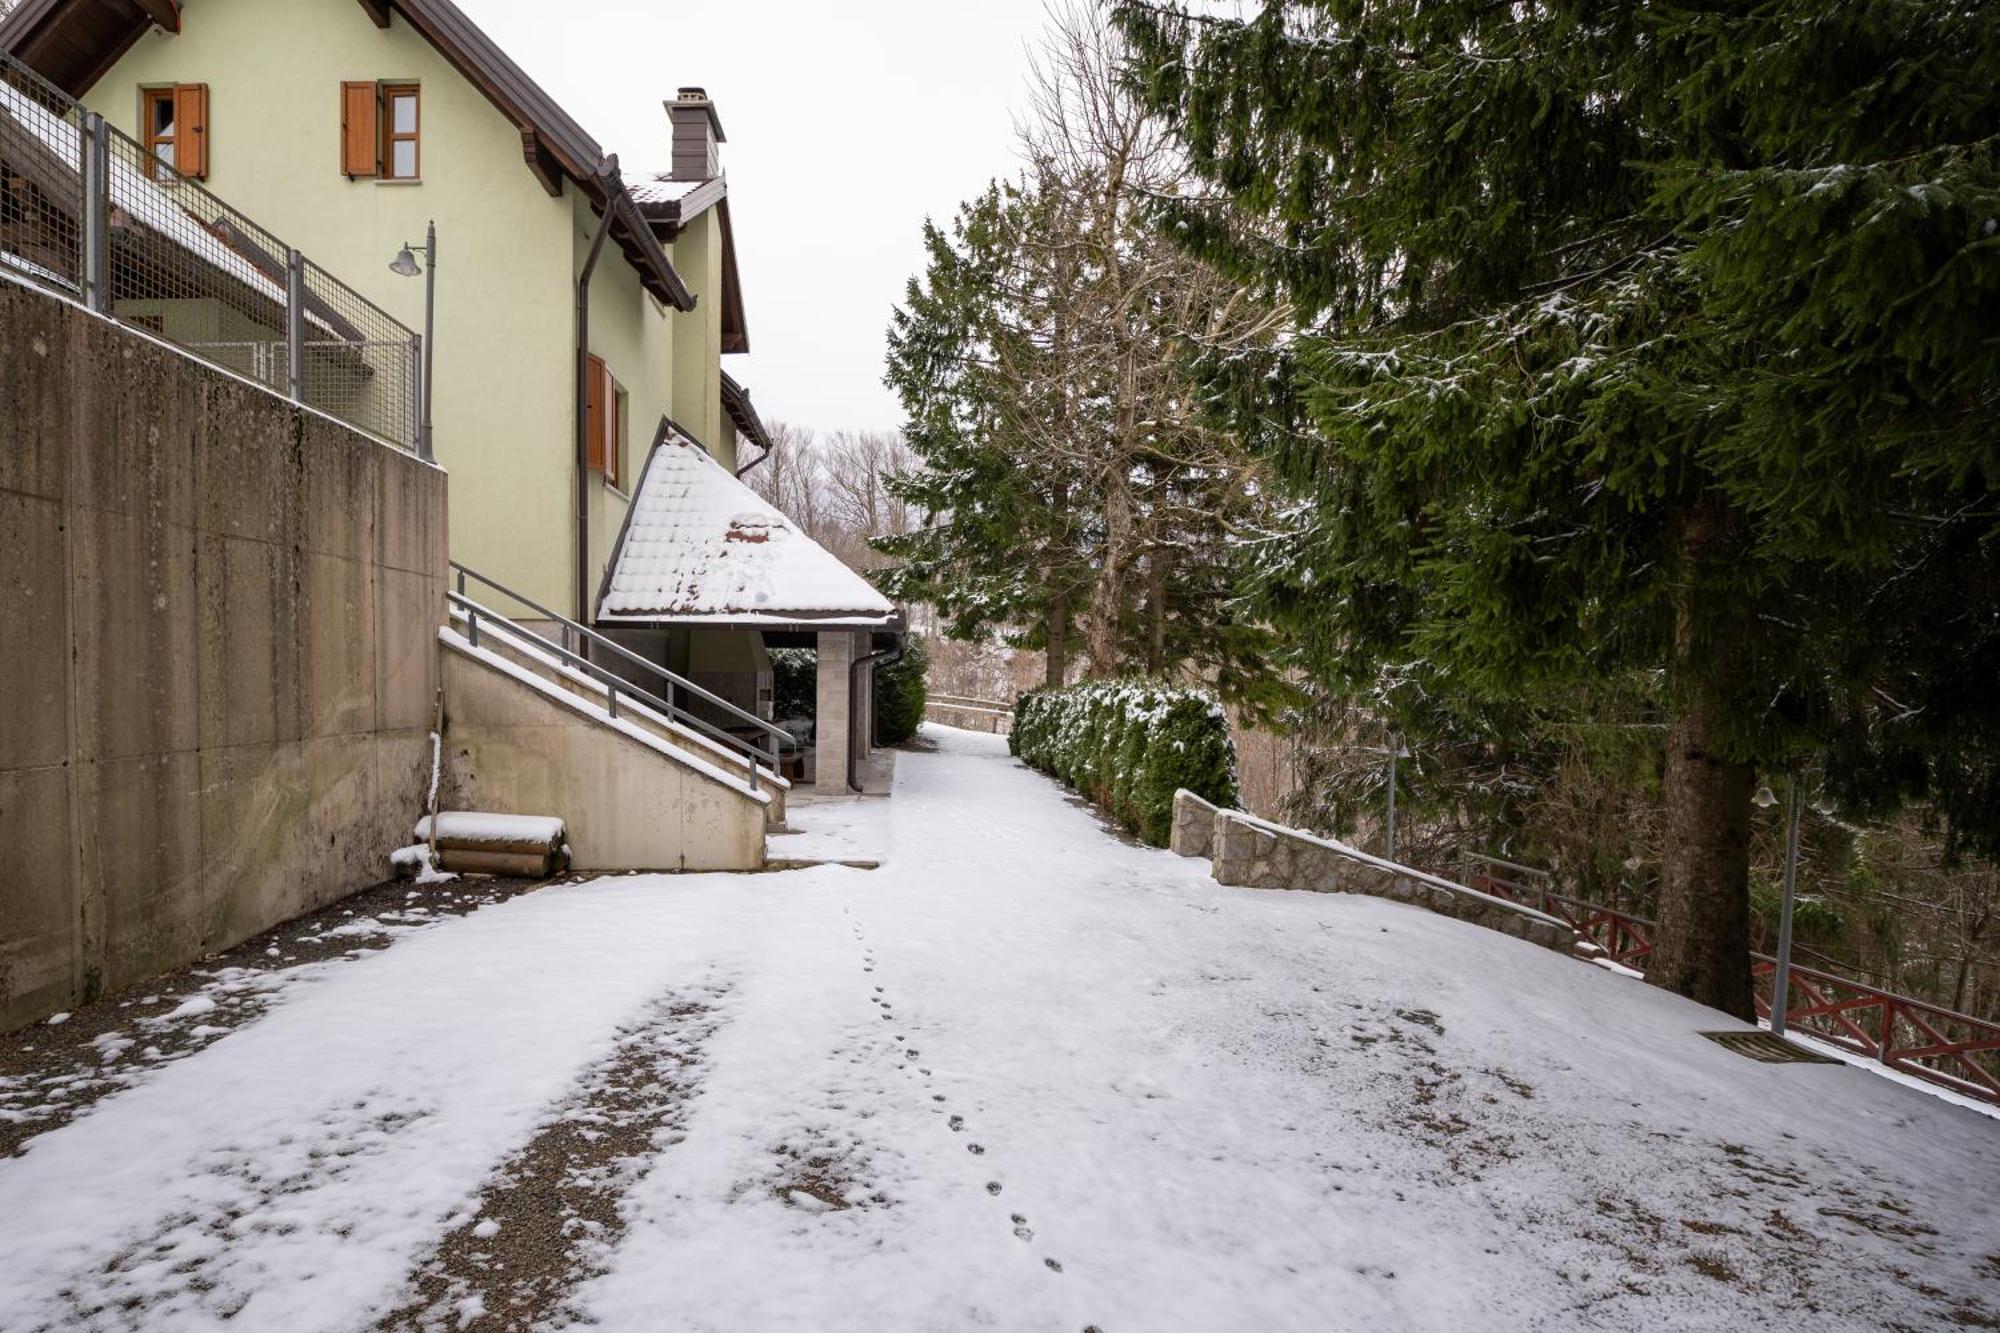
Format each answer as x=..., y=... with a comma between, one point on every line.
x=700, y=547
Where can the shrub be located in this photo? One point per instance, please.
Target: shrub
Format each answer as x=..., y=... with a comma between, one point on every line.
x=899, y=694
x=1128, y=745
x=794, y=684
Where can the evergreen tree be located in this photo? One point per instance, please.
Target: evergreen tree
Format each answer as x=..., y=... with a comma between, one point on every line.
x=1638, y=338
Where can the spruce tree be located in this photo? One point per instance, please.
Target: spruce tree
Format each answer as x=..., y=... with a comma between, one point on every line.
x=1636, y=338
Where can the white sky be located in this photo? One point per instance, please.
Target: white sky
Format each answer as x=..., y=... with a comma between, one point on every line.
x=848, y=124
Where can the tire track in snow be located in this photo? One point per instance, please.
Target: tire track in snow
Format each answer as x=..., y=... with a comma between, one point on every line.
x=551, y=1215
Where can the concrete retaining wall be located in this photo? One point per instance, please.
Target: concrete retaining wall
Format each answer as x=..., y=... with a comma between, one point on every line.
x=529, y=747
x=217, y=656
x=1254, y=853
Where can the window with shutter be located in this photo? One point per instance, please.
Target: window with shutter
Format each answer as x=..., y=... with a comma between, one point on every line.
x=174, y=125
x=597, y=410
x=360, y=129
x=191, y=118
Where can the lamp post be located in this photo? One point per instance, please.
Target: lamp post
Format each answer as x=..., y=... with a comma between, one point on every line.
x=1781, y=976
x=1396, y=751
x=405, y=264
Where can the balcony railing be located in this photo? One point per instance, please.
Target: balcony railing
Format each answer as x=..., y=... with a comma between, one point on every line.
x=89, y=213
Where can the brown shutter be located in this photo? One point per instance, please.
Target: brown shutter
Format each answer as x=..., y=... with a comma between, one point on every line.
x=191, y=129
x=599, y=410
x=360, y=129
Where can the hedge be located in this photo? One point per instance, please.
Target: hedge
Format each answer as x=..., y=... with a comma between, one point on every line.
x=1128, y=745
x=899, y=689
x=899, y=693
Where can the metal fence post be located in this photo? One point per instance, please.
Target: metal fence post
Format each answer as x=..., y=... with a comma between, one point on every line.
x=94, y=172
x=295, y=324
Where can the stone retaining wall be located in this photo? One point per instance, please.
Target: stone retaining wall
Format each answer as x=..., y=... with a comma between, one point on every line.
x=1252, y=853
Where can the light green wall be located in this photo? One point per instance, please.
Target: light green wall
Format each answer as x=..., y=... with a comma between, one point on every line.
x=697, y=255
x=503, y=407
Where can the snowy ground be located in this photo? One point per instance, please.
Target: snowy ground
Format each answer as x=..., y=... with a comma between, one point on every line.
x=1024, y=1076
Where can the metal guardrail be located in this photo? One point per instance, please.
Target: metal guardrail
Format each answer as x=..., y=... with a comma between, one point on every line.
x=1915, y=1037
x=570, y=649
x=88, y=212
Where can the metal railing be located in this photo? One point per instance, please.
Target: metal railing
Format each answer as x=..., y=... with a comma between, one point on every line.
x=571, y=650
x=88, y=212
x=1915, y=1037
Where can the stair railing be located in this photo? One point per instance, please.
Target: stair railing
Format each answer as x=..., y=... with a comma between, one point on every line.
x=674, y=686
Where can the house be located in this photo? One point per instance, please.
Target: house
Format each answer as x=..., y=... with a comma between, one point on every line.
x=582, y=312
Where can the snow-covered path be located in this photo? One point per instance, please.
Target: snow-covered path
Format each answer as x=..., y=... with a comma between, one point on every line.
x=1024, y=1076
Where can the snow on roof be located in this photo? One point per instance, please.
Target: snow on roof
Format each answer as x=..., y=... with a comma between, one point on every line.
x=660, y=189
x=699, y=545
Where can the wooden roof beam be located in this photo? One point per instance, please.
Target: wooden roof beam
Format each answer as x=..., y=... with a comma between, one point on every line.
x=378, y=11
x=166, y=13
x=542, y=163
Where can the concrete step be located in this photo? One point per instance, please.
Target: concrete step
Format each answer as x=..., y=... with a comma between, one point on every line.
x=531, y=653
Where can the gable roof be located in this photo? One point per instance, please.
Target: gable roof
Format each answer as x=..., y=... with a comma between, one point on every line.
x=701, y=548
x=73, y=42
x=670, y=204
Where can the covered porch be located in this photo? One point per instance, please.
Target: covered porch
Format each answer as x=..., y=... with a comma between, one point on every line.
x=707, y=577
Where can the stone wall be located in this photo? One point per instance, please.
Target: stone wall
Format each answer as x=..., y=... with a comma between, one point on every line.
x=1252, y=853
x=217, y=656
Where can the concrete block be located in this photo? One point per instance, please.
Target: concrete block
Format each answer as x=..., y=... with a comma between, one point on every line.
x=409, y=608
x=34, y=632
x=36, y=407
x=337, y=668
x=135, y=612
x=38, y=910
x=136, y=450
x=410, y=522
x=252, y=465
x=343, y=478
x=250, y=633
x=138, y=829
x=833, y=718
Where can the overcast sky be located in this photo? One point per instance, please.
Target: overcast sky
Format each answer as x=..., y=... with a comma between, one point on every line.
x=848, y=123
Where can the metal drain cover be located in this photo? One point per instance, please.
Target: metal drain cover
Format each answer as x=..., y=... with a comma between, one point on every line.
x=1771, y=1050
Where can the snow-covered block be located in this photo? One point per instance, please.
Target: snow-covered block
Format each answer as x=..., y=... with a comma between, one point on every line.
x=473, y=828
x=1194, y=825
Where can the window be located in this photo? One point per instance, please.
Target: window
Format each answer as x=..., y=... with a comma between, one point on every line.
x=604, y=423
x=399, y=132
x=175, y=124
x=380, y=131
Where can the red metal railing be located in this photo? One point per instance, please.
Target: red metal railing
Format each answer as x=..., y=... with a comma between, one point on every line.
x=1923, y=1040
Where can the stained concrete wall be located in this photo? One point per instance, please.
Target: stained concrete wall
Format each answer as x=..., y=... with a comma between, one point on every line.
x=530, y=751
x=217, y=656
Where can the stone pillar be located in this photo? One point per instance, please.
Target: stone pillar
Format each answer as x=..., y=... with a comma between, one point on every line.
x=832, y=727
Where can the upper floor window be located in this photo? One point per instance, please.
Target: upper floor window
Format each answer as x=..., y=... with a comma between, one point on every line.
x=175, y=124
x=381, y=130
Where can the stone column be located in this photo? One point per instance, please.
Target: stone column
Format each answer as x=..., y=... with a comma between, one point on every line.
x=831, y=728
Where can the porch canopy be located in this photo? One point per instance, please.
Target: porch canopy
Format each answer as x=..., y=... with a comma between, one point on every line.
x=701, y=550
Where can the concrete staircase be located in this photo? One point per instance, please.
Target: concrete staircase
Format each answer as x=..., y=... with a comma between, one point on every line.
x=531, y=725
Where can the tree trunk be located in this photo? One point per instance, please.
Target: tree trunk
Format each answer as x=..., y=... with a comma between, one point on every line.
x=1055, y=653
x=1107, y=598
x=1702, y=946
x=1156, y=605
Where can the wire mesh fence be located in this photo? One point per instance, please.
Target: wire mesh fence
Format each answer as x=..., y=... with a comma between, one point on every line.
x=86, y=210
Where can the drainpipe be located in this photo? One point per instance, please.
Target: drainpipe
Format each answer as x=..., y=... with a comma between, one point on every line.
x=753, y=462
x=607, y=171
x=884, y=658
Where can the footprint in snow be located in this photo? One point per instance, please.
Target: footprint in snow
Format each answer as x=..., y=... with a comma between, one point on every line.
x=957, y=1122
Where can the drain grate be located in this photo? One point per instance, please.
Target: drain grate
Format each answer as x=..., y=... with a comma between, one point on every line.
x=1771, y=1050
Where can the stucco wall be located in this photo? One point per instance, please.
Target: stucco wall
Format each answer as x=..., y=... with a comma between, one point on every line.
x=504, y=402
x=697, y=256
x=217, y=666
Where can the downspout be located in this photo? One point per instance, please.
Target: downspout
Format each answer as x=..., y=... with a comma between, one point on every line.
x=754, y=462
x=608, y=171
x=886, y=657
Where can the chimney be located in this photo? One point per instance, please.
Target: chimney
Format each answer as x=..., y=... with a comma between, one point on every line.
x=697, y=130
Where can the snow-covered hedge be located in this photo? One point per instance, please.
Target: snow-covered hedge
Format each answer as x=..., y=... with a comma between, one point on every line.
x=1129, y=745
x=899, y=693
